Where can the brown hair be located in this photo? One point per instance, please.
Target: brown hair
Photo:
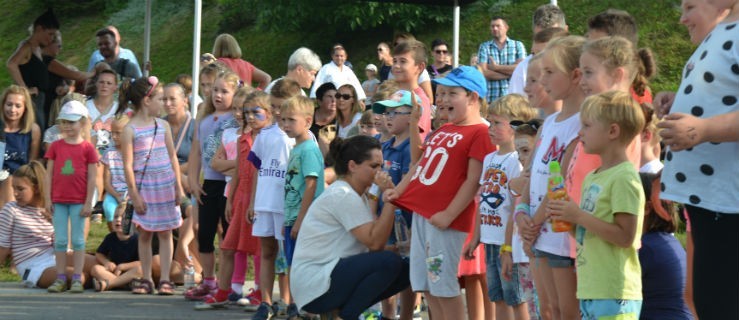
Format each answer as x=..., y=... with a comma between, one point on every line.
x=615, y=23
x=299, y=104
x=135, y=90
x=546, y=35
x=415, y=47
x=29, y=117
x=356, y=106
x=615, y=107
x=659, y=215
x=565, y=52
x=35, y=172
x=226, y=46
x=514, y=107
x=617, y=51
x=285, y=89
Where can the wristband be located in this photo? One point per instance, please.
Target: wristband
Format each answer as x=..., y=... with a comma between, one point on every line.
x=521, y=208
x=506, y=248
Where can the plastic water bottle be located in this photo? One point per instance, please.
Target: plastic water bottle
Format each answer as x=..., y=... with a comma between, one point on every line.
x=402, y=234
x=189, y=275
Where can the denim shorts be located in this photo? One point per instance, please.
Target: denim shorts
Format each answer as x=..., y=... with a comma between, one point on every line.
x=610, y=309
x=499, y=289
x=553, y=260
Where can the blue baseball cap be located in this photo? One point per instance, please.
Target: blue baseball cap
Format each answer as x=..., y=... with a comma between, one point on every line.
x=466, y=77
x=398, y=99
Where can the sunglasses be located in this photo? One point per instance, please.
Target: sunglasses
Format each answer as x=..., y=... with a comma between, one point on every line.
x=393, y=113
x=534, y=124
x=343, y=96
x=441, y=51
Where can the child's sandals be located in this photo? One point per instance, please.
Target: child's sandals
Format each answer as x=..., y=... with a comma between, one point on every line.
x=142, y=286
x=100, y=285
x=166, y=288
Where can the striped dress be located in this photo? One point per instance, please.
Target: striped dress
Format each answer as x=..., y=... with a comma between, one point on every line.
x=157, y=187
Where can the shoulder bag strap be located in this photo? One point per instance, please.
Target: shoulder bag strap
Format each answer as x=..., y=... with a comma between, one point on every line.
x=183, y=131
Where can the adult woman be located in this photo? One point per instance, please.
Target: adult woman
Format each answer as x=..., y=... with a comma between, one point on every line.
x=182, y=126
x=349, y=111
x=226, y=49
x=331, y=256
x=323, y=125
x=27, y=67
x=441, y=66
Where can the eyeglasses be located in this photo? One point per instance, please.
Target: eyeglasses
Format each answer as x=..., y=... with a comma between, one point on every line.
x=441, y=51
x=343, y=96
x=393, y=113
x=534, y=124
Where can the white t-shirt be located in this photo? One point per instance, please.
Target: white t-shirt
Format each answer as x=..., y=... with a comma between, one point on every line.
x=554, y=139
x=269, y=154
x=339, y=77
x=343, y=132
x=518, y=77
x=101, y=123
x=653, y=166
x=707, y=175
x=325, y=237
x=496, y=202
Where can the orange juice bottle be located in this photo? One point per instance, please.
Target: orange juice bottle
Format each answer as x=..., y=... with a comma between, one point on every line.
x=556, y=191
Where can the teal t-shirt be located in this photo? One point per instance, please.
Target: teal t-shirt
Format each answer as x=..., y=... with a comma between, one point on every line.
x=604, y=270
x=305, y=160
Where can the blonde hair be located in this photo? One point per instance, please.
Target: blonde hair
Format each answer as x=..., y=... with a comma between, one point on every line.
x=228, y=77
x=356, y=106
x=565, y=52
x=615, y=107
x=29, y=117
x=614, y=52
x=514, y=107
x=299, y=104
x=385, y=90
x=35, y=172
x=242, y=93
x=226, y=46
x=285, y=89
x=121, y=120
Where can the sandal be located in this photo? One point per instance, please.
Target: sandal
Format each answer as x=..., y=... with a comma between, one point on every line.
x=143, y=286
x=100, y=285
x=166, y=288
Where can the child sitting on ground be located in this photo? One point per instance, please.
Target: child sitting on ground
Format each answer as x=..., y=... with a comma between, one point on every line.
x=117, y=257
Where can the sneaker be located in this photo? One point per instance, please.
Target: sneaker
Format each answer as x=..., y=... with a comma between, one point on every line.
x=58, y=286
x=279, y=307
x=292, y=312
x=251, y=301
x=76, y=287
x=210, y=302
x=264, y=312
x=200, y=292
x=234, y=297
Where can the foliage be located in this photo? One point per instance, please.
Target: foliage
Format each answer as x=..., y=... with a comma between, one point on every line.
x=295, y=15
x=80, y=6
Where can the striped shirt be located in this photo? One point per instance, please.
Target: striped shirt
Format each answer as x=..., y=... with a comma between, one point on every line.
x=114, y=161
x=511, y=52
x=25, y=231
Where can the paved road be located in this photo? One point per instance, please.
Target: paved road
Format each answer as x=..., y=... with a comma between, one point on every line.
x=17, y=302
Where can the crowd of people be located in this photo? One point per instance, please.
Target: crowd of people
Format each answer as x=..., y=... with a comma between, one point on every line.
x=547, y=184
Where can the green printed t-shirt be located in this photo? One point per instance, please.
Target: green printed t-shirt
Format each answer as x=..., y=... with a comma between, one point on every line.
x=604, y=270
x=305, y=160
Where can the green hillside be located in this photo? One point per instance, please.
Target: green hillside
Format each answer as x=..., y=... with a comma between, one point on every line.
x=172, y=33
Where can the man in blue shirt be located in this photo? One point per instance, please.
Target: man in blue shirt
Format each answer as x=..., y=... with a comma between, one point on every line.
x=122, y=60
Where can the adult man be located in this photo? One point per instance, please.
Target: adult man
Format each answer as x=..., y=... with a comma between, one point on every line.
x=108, y=49
x=383, y=54
x=546, y=16
x=338, y=73
x=499, y=58
x=301, y=67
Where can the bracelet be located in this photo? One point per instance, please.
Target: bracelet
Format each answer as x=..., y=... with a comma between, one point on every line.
x=506, y=248
x=521, y=208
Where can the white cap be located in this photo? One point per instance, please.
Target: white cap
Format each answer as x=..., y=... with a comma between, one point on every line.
x=371, y=67
x=73, y=111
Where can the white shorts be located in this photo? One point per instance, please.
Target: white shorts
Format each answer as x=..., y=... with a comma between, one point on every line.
x=32, y=269
x=434, y=258
x=268, y=224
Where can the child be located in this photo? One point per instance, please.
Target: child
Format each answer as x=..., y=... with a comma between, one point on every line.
x=113, y=176
x=661, y=256
x=117, y=258
x=150, y=166
x=269, y=154
x=367, y=124
x=384, y=90
x=442, y=219
x=370, y=85
x=22, y=135
x=208, y=75
x=70, y=169
x=237, y=244
x=538, y=97
x=497, y=204
x=650, y=143
x=304, y=180
x=609, y=218
x=554, y=275
x=282, y=90
x=396, y=154
x=525, y=139
x=215, y=117
x=409, y=61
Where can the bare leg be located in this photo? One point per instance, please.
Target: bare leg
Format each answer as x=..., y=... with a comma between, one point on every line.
x=284, y=282
x=145, y=253
x=101, y=274
x=450, y=308
x=267, y=272
x=474, y=293
x=226, y=266
x=407, y=303
x=565, y=283
x=165, y=254
x=389, y=307
x=548, y=305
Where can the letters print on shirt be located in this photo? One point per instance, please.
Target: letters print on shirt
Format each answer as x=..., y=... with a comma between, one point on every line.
x=589, y=199
x=436, y=156
x=273, y=170
x=494, y=194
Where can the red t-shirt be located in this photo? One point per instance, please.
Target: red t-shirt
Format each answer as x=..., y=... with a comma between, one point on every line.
x=442, y=170
x=425, y=122
x=69, y=177
x=241, y=67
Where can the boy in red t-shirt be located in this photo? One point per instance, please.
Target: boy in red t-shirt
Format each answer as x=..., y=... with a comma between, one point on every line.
x=442, y=203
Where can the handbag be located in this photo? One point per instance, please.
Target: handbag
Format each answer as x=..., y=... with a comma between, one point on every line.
x=126, y=224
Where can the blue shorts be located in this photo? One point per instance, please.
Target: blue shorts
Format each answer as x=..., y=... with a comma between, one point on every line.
x=110, y=204
x=610, y=309
x=289, y=246
x=553, y=260
x=499, y=289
